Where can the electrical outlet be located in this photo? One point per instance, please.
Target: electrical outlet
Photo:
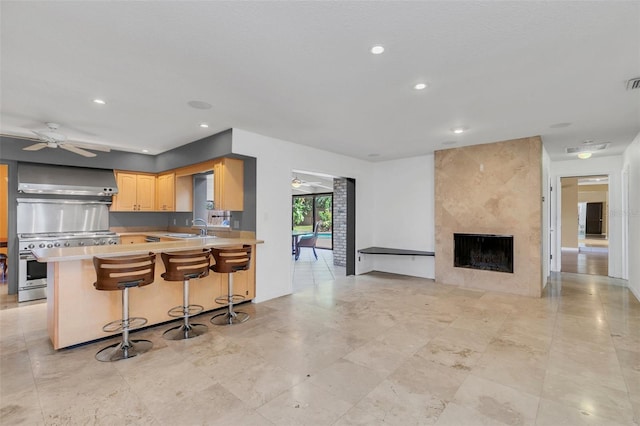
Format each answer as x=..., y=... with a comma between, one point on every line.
x=236, y=224
x=186, y=222
x=174, y=222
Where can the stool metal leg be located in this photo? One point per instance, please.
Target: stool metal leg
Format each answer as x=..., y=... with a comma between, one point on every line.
x=186, y=330
x=126, y=348
x=230, y=317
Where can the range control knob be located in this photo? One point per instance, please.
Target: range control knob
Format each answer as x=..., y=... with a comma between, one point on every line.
x=81, y=243
x=41, y=245
x=31, y=246
x=67, y=244
x=113, y=242
x=49, y=245
x=102, y=242
x=56, y=244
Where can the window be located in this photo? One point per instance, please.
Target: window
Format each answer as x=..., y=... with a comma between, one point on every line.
x=309, y=209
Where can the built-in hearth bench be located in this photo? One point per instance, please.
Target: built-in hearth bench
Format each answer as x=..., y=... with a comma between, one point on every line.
x=395, y=251
x=416, y=263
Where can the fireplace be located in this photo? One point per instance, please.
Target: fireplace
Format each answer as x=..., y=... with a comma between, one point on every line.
x=483, y=251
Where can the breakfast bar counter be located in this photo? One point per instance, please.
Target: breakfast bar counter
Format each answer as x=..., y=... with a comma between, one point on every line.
x=76, y=311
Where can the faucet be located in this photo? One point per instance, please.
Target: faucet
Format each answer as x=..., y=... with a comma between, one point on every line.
x=203, y=231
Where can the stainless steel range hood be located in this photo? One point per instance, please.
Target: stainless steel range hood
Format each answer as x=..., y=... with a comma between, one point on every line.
x=62, y=180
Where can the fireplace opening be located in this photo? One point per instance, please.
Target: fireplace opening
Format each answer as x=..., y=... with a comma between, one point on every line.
x=483, y=251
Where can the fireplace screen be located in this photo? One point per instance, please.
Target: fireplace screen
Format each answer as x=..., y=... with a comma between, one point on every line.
x=483, y=251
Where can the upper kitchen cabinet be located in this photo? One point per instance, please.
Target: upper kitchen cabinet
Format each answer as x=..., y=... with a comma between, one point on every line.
x=166, y=192
x=136, y=192
x=228, y=184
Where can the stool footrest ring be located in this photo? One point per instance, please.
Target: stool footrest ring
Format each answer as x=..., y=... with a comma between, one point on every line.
x=181, y=312
x=235, y=298
x=118, y=325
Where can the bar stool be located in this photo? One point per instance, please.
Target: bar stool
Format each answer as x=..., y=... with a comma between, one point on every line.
x=184, y=266
x=123, y=273
x=230, y=261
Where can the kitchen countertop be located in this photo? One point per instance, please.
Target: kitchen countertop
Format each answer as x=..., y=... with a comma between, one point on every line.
x=180, y=244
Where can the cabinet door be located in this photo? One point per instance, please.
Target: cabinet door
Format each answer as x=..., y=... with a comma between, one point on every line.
x=132, y=239
x=165, y=195
x=228, y=183
x=125, y=201
x=146, y=192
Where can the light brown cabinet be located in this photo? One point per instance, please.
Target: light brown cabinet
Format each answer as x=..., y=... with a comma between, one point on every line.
x=166, y=192
x=133, y=239
x=136, y=192
x=228, y=184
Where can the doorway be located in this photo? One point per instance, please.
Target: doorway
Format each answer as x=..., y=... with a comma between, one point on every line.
x=585, y=244
x=319, y=207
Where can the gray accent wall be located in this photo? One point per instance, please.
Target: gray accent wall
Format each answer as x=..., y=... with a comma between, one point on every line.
x=208, y=148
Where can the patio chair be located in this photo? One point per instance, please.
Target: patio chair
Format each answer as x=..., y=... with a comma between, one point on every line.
x=308, y=241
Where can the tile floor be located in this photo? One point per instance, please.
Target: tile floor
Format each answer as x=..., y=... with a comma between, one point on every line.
x=308, y=271
x=366, y=350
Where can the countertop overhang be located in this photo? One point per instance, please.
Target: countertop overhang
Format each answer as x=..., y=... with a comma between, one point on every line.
x=79, y=253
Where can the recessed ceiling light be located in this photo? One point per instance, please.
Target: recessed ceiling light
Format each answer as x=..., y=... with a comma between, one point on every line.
x=204, y=125
x=145, y=150
x=449, y=142
x=560, y=125
x=458, y=130
x=584, y=155
x=420, y=86
x=99, y=101
x=199, y=104
x=373, y=155
x=376, y=50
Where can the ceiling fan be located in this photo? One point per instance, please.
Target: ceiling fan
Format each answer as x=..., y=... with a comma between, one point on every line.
x=51, y=138
x=296, y=183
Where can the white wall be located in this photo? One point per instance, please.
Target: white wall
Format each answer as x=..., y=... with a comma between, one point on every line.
x=403, y=215
x=631, y=213
x=611, y=166
x=275, y=161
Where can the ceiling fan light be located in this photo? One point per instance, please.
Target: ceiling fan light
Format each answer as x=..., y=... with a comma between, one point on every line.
x=295, y=182
x=584, y=155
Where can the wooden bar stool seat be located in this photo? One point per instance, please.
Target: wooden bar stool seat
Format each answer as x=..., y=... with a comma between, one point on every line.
x=184, y=266
x=121, y=274
x=230, y=261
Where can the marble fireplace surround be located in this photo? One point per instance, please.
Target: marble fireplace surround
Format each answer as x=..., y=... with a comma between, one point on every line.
x=495, y=189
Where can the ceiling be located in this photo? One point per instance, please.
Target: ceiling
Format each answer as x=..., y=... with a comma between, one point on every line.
x=311, y=183
x=303, y=72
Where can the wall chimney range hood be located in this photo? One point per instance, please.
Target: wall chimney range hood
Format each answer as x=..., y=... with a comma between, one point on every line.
x=64, y=180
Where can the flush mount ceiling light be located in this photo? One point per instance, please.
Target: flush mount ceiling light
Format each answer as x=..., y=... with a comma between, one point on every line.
x=420, y=86
x=459, y=130
x=449, y=143
x=373, y=155
x=295, y=182
x=145, y=151
x=199, y=104
x=204, y=125
x=99, y=101
x=584, y=155
x=376, y=50
x=560, y=125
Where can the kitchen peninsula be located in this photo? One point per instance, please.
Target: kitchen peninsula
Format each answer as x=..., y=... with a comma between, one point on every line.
x=76, y=312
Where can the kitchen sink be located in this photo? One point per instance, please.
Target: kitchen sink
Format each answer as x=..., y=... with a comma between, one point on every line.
x=186, y=235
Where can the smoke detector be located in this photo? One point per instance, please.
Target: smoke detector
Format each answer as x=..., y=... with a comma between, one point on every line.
x=634, y=83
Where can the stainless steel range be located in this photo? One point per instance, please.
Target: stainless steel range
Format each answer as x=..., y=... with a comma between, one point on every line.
x=53, y=223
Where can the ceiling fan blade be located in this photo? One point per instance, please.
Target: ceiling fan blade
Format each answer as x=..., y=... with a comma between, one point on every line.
x=27, y=138
x=77, y=150
x=35, y=147
x=93, y=147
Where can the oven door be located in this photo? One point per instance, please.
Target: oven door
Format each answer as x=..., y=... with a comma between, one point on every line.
x=32, y=278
